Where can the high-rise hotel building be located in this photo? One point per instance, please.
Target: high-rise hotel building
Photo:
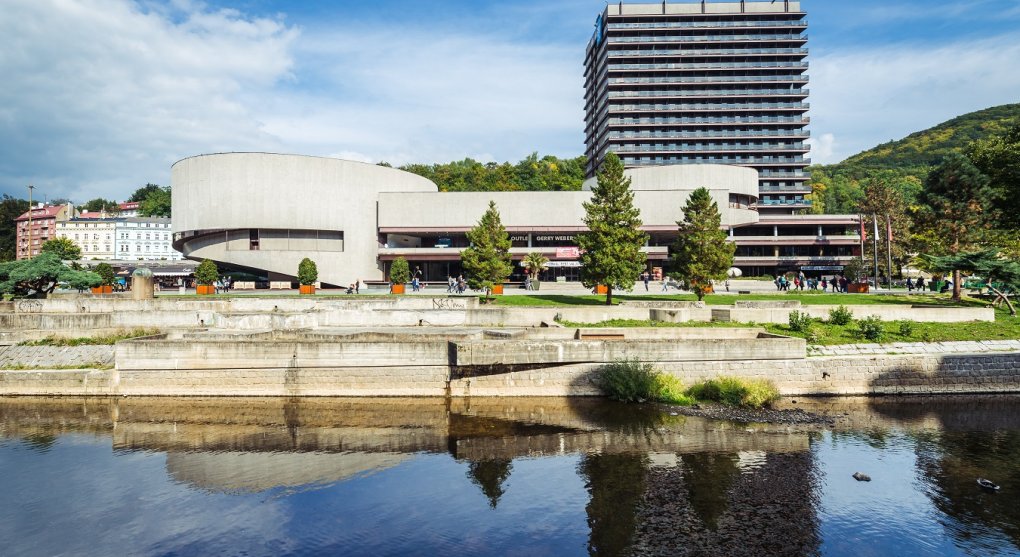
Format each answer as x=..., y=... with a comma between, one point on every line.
x=706, y=82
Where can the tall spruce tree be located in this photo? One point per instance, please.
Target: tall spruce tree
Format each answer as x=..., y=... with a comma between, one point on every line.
x=611, y=248
x=487, y=260
x=955, y=211
x=701, y=253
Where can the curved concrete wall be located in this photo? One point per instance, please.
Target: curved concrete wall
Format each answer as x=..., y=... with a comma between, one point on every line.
x=737, y=179
x=240, y=191
x=681, y=179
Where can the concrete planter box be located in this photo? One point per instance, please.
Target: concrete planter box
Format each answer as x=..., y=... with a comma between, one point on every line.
x=397, y=289
x=205, y=289
x=307, y=289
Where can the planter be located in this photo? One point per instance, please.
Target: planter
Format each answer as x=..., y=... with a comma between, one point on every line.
x=497, y=289
x=307, y=289
x=602, y=289
x=536, y=285
x=97, y=289
x=396, y=289
x=858, y=288
x=205, y=289
x=104, y=289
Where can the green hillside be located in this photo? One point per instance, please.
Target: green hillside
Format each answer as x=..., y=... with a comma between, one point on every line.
x=904, y=164
x=916, y=153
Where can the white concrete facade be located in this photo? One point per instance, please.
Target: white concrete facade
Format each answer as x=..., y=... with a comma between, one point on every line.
x=266, y=212
x=313, y=207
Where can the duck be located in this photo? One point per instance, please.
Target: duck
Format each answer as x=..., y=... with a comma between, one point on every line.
x=861, y=477
x=987, y=484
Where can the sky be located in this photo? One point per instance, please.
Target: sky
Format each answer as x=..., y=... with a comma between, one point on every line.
x=100, y=97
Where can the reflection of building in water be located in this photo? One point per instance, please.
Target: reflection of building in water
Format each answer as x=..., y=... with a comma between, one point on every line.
x=253, y=472
x=729, y=504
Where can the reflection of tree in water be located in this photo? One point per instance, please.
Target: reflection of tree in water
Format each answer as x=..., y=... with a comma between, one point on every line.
x=951, y=463
x=723, y=504
x=41, y=442
x=616, y=483
x=708, y=483
x=490, y=476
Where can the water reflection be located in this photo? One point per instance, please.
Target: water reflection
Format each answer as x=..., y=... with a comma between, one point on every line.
x=502, y=476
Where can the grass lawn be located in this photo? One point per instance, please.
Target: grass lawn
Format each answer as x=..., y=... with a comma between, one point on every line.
x=805, y=298
x=821, y=333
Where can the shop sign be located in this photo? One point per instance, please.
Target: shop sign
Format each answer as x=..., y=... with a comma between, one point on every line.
x=567, y=253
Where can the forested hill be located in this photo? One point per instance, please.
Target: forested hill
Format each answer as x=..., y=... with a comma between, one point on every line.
x=915, y=154
x=531, y=174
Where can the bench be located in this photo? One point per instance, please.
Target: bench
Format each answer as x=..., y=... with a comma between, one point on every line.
x=601, y=336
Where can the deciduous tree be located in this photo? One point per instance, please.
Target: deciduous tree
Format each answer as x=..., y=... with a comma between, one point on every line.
x=955, y=210
x=611, y=248
x=63, y=248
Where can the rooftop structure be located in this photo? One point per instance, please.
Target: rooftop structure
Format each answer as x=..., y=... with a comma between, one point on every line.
x=709, y=82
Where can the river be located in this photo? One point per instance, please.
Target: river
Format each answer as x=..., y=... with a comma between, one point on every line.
x=527, y=477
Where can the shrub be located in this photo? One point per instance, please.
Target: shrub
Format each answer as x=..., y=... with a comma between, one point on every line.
x=400, y=273
x=840, y=316
x=669, y=389
x=731, y=391
x=799, y=321
x=307, y=272
x=906, y=328
x=626, y=381
x=870, y=328
x=207, y=273
x=105, y=272
x=814, y=336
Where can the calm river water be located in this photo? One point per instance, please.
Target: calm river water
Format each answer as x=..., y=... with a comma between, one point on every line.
x=533, y=477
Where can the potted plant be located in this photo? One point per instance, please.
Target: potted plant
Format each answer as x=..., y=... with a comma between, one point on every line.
x=206, y=275
x=400, y=273
x=307, y=274
x=534, y=263
x=107, y=276
x=854, y=271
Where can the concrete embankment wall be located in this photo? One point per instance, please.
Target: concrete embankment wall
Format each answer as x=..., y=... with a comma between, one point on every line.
x=858, y=375
x=440, y=368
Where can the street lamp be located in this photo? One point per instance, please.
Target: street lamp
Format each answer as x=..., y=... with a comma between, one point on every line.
x=30, y=188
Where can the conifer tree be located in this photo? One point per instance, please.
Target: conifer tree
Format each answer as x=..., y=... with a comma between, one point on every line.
x=701, y=253
x=611, y=248
x=487, y=261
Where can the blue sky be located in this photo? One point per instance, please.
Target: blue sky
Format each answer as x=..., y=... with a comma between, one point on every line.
x=102, y=96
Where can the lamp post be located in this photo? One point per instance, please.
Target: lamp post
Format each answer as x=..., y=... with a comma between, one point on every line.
x=29, y=250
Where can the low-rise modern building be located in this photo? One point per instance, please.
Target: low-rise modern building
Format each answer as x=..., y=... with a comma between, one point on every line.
x=354, y=218
x=36, y=226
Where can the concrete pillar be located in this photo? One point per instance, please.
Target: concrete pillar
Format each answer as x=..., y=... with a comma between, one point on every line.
x=142, y=284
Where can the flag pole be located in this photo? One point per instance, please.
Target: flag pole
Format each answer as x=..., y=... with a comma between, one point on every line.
x=874, y=242
x=888, y=246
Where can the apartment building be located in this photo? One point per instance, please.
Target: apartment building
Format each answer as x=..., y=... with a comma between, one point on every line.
x=36, y=226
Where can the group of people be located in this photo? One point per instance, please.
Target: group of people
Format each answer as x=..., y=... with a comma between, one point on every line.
x=456, y=285
x=801, y=282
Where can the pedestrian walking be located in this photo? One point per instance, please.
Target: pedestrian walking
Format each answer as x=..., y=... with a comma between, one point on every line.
x=646, y=277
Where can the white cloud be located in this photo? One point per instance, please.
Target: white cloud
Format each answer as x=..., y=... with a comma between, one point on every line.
x=822, y=147
x=102, y=96
x=867, y=97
